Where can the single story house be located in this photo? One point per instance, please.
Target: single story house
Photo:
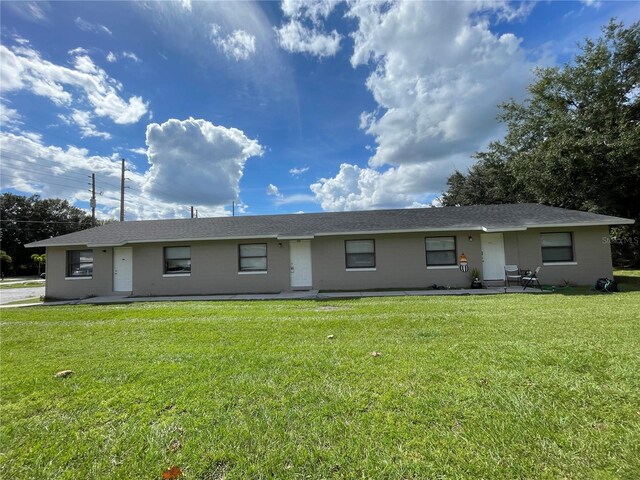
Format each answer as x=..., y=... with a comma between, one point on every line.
x=409, y=248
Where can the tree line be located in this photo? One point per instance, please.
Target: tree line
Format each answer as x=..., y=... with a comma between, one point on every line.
x=574, y=142
x=28, y=219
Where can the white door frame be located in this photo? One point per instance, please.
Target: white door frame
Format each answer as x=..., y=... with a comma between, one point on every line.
x=492, y=245
x=300, y=264
x=122, y=269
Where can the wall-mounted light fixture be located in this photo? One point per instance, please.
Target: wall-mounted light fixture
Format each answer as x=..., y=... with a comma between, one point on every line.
x=470, y=238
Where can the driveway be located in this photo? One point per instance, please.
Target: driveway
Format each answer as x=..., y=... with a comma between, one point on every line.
x=12, y=294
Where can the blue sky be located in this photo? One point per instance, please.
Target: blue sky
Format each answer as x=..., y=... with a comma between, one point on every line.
x=281, y=107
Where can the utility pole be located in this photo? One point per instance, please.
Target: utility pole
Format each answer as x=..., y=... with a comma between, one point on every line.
x=191, y=211
x=93, y=200
x=122, y=193
x=233, y=208
x=196, y=213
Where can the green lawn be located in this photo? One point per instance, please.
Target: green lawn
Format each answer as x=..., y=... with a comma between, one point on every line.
x=508, y=386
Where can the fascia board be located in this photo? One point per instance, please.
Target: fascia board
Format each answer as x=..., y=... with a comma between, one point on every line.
x=296, y=237
x=409, y=230
x=622, y=221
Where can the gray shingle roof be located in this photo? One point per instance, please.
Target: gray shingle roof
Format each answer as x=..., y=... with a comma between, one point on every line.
x=477, y=217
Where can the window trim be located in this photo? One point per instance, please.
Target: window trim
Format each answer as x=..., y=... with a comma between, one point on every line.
x=442, y=265
x=166, y=273
x=253, y=270
x=564, y=261
x=69, y=275
x=363, y=268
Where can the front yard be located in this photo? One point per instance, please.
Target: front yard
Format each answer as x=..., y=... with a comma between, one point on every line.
x=509, y=386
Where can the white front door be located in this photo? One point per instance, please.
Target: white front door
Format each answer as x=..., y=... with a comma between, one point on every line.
x=300, y=256
x=122, y=269
x=492, y=256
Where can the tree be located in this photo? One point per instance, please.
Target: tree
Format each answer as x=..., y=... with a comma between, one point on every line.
x=4, y=260
x=28, y=219
x=574, y=142
x=39, y=260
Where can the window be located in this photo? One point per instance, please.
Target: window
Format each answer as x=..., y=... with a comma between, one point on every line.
x=79, y=263
x=177, y=260
x=441, y=251
x=360, y=253
x=557, y=247
x=252, y=257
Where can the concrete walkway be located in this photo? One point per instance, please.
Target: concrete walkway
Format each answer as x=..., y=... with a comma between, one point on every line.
x=295, y=295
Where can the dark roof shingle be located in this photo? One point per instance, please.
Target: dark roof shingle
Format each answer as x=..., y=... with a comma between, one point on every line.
x=477, y=217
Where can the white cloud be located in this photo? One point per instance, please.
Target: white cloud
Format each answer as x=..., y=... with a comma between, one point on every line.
x=31, y=11
x=298, y=171
x=273, y=191
x=297, y=38
x=438, y=83
x=24, y=69
x=438, y=73
x=9, y=116
x=303, y=32
x=186, y=4
x=29, y=166
x=83, y=120
x=238, y=45
x=295, y=199
x=86, y=26
x=139, y=151
x=131, y=56
x=356, y=188
x=196, y=162
x=111, y=57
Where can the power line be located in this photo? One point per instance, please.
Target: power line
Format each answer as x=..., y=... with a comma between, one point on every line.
x=41, y=221
x=53, y=169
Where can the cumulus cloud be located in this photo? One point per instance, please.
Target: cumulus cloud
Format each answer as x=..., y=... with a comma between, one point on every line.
x=24, y=69
x=238, y=45
x=438, y=73
x=196, y=162
x=356, y=188
x=29, y=166
x=303, y=32
x=86, y=26
x=111, y=57
x=273, y=191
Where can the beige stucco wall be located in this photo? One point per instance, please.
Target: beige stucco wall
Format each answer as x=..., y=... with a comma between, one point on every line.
x=57, y=286
x=214, y=269
x=592, y=255
x=400, y=263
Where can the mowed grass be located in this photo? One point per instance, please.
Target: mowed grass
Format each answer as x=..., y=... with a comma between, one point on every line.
x=508, y=386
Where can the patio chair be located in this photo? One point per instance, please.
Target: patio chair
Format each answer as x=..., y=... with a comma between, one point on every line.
x=512, y=273
x=530, y=278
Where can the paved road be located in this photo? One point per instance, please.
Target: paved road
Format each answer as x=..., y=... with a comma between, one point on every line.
x=12, y=294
